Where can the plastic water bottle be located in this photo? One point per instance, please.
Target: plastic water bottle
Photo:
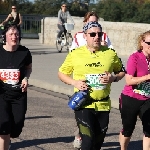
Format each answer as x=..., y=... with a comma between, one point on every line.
x=77, y=100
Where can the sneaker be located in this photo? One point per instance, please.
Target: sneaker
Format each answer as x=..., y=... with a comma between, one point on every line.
x=59, y=40
x=77, y=142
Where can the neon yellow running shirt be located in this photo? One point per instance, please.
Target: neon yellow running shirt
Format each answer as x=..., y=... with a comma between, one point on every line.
x=85, y=65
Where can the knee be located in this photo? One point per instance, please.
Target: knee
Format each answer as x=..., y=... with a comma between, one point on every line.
x=147, y=134
x=17, y=129
x=127, y=133
x=87, y=142
x=5, y=128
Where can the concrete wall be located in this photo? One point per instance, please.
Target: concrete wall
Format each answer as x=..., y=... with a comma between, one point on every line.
x=123, y=35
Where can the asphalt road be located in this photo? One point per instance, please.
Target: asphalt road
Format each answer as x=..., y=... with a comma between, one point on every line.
x=50, y=124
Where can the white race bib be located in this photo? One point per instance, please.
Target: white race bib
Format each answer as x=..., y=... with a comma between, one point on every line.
x=94, y=81
x=10, y=76
x=143, y=89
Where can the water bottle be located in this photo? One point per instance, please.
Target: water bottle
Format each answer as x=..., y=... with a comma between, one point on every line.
x=77, y=100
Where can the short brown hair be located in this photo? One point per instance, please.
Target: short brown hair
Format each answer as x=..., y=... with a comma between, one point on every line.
x=88, y=14
x=142, y=38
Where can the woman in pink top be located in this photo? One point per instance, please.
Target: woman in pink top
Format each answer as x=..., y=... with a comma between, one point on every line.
x=135, y=97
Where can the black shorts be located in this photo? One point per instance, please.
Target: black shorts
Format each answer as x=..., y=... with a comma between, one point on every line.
x=92, y=126
x=12, y=114
x=130, y=109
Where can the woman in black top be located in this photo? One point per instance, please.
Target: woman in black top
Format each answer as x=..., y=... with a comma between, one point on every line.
x=15, y=69
x=14, y=18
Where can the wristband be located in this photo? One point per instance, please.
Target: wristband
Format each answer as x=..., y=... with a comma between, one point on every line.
x=116, y=79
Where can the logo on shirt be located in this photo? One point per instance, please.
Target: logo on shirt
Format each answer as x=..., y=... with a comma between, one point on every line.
x=98, y=64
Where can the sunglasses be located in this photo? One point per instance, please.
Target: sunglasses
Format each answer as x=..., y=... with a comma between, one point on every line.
x=93, y=34
x=13, y=8
x=148, y=43
x=64, y=6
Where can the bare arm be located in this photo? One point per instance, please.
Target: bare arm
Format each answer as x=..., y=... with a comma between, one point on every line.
x=20, y=18
x=79, y=84
x=130, y=80
x=109, y=78
x=24, y=83
x=65, y=78
x=6, y=20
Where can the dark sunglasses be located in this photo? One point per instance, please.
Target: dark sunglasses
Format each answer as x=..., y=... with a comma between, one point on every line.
x=13, y=8
x=93, y=34
x=148, y=43
x=64, y=6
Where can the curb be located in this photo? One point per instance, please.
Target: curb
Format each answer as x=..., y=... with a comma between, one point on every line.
x=62, y=90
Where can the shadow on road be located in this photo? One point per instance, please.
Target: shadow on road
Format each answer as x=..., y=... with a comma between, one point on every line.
x=115, y=145
x=38, y=117
x=35, y=142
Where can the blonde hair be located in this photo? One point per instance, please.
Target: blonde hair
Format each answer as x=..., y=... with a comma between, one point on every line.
x=142, y=38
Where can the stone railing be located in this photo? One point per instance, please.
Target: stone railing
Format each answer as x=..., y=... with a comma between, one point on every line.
x=123, y=35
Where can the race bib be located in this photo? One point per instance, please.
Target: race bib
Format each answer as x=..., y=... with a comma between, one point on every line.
x=94, y=81
x=10, y=76
x=143, y=89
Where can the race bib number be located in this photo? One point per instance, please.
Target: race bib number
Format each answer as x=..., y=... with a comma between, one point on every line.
x=10, y=76
x=94, y=81
x=143, y=89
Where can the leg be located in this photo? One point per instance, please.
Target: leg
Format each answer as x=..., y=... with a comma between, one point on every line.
x=77, y=141
x=61, y=30
x=146, y=143
x=129, y=118
x=101, y=128
x=145, y=117
x=5, y=125
x=124, y=141
x=19, y=108
x=86, y=122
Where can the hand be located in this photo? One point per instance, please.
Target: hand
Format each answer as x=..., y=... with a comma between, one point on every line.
x=107, y=78
x=1, y=24
x=24, y=85
x=80, y=85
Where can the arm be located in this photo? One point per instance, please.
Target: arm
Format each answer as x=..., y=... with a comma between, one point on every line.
x=131, y=70
x=28, y=71
x=79, y=84
x=59, y=17
x=65, y=72
x=69, y=16
x=6, y=20
x=24, y=82
x=20, y=18
x=65, y=78
x=119, y=72
x=130, y=80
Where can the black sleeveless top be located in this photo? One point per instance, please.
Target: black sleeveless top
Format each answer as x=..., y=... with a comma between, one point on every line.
x=16, y=20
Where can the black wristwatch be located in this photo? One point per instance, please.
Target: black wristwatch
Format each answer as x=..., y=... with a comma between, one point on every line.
x=116, y=79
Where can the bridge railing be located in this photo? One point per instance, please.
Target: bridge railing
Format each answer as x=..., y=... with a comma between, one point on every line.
x=31, y=25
